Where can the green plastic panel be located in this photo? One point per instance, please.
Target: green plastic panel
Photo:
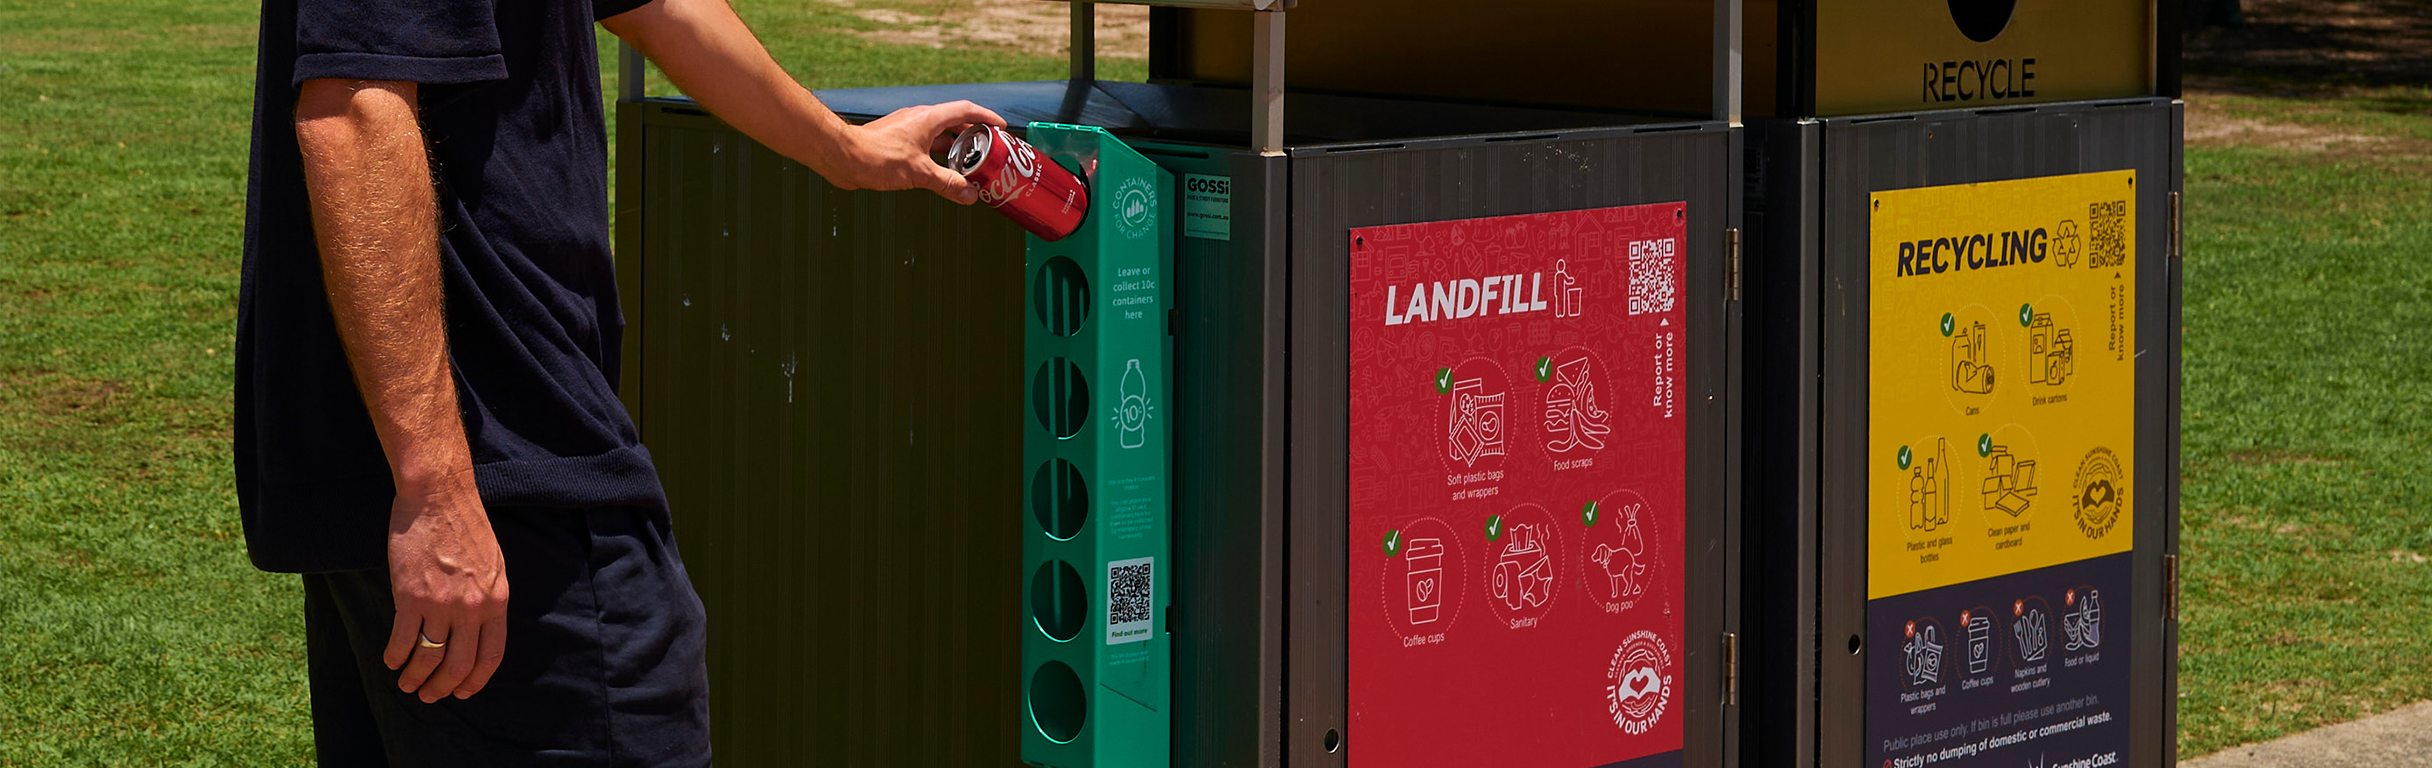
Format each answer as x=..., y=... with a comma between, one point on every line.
x=1096, y=441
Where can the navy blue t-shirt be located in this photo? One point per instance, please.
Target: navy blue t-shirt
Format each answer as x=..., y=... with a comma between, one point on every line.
x=510, y=99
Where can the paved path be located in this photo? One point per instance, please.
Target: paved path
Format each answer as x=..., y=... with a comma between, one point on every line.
x=2396, y=739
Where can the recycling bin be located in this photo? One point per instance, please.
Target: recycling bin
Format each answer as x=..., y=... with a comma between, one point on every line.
x=1962, y=464
x=1450, y=403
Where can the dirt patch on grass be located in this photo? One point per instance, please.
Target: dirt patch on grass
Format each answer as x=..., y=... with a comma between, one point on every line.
x=1028, y=26
x=2209, y=125
x=54, y=395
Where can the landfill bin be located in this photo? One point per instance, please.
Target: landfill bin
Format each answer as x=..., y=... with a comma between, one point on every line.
x=1962, y=465
x=1452, y=402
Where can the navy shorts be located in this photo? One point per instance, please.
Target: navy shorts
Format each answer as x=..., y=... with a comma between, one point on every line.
x=604, y=663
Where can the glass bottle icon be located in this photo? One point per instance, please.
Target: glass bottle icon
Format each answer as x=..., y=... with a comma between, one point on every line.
x=1132, y=415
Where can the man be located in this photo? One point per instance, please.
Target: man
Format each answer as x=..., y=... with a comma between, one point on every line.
x=427, y=342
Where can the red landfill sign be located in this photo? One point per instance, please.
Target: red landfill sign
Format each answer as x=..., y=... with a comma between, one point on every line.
x=1516, y=489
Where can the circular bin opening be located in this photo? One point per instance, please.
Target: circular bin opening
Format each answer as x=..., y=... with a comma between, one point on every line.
x=1059, y=499
x=1982, y=20
x=1057, y=602
x=1059, y=296
x=1060, y=397
x=1058, y=704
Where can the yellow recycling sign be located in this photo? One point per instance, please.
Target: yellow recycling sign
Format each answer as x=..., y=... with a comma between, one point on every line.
x=2001, y=411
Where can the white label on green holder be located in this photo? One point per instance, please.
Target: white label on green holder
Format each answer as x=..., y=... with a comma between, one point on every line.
x=1131, y=600
x=1207, y=206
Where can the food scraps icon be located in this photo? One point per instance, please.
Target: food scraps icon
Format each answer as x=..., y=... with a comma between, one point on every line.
x=1571, y=414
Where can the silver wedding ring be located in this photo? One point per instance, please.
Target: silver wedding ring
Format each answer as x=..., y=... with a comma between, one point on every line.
x=425, y=641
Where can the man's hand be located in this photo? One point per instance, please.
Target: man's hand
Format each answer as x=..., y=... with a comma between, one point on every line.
x=893, y=152
x=707, y=51
x=450, y=584
x=377, y=226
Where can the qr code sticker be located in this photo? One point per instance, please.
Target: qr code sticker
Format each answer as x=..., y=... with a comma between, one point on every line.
x=2107, y=234
x=1651, y=285
x=1131, y=600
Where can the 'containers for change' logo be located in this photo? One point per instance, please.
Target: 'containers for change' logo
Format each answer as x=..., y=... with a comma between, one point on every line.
x=1640, y=689
x=1135, y=208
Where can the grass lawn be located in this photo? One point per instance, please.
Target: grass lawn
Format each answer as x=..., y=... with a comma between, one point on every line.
x=133, y=632
x=2307, y=510
x=132, y=629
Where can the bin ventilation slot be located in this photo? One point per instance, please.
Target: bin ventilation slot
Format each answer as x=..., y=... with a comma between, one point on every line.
x=1059, y=396
x=1059, y=296
x=1060, y=499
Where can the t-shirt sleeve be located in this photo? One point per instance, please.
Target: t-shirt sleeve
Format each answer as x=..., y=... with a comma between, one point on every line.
x=602, y=9
x=432, y=42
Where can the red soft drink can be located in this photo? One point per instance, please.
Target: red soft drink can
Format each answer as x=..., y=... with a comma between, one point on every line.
x=1019, y=182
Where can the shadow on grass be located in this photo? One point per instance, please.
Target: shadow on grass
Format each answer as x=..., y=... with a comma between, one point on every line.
x=2318, y=49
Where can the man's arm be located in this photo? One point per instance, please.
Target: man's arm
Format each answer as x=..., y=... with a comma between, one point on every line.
x=708, y=52
x=375, y=220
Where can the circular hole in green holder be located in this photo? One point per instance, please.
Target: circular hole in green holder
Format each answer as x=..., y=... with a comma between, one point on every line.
x=1059, y=498
x=1059, y=396
x=1058, y=703
x=1058, y=603
x=1059, y=296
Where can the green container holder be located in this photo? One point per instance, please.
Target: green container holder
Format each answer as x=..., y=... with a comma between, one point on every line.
x=1096, y=551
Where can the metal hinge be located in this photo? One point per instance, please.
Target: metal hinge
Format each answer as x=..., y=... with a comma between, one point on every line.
x=1731, y=264
x=2170, y=587
x=1731, y=669
x=2174, y=225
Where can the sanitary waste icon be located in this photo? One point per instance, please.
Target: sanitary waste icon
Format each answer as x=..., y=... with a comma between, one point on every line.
x=1524, y=575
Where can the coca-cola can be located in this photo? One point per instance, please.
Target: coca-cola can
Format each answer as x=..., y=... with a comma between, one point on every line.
x=1017, y=181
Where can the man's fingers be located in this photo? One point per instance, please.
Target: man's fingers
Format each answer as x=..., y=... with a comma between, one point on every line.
x=464, y=643
x=418, y=667
x=493, y=650
x=400, y=639
x=953, y=115
x=952, y=186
